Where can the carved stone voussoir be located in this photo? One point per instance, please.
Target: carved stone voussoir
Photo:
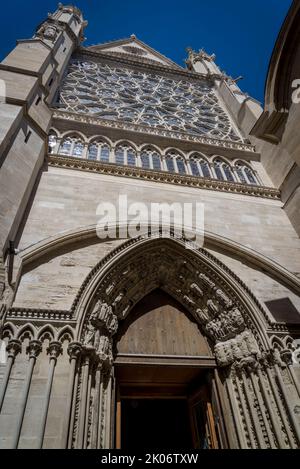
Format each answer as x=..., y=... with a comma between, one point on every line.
x=242, y=350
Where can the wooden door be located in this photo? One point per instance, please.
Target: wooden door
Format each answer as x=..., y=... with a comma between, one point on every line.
x=203, y=420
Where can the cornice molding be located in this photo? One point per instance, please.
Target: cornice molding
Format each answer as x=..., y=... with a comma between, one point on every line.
x=161, y=176
x=147, y=130
x=39, y=314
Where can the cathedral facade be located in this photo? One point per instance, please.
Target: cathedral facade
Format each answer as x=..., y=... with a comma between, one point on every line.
x=115, y=339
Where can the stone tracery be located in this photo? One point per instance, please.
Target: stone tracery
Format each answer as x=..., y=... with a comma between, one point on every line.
x=151, y=100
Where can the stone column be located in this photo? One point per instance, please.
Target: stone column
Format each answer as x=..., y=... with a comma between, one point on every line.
x=252, y=406
x=88, y=355
x=252, y=372
x=280, y=407
x=54, y=350
x=74, y=351
x=235, y=412
x=248, y=424
x=274, y=420
x=13, y=348
x=293, y=419
x=97, y=407
x=34, y=348
x=108, y=409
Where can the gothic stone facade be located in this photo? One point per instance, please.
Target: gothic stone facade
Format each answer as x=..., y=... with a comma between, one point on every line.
x=81, y=125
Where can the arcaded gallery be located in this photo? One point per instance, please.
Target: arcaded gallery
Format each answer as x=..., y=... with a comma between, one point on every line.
x=140, y=342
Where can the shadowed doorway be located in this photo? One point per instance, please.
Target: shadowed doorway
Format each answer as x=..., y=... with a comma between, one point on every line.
x=162, y=368
x=151, y=424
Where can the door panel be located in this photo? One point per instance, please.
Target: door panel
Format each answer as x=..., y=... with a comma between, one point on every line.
x=203, y=420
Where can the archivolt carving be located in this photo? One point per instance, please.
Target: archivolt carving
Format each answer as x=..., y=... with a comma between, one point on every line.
x=102, y=325
x=198, y=286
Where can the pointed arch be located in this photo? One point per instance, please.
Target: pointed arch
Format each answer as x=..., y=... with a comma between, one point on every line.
x=66, y=333
x=107, y=284
x=47, y=332
x=27, y=331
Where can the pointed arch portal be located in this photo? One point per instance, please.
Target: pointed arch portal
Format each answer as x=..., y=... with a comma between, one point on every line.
x=159, y=321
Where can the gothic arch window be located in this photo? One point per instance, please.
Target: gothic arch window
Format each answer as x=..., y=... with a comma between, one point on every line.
x=218, y=170
x=156, y=161
x=125, y=155
x=194, y=165
x=250, y=175
x=145, y=160
x=93, y=152
x=170, y=163
x=72, y=146
x=181, y=165
x=245, y=174
x=78, y=149
x=205, y=169
x=239, y=170
x=150, y=159
x=66, y=146
x=99, y=151
x=228, y=172
x=199, y=166
x=175, y=162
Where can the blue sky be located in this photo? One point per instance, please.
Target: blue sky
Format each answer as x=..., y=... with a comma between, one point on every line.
x=241, y=33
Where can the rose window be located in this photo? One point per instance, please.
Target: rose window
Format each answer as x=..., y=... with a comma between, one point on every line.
x=145, y=99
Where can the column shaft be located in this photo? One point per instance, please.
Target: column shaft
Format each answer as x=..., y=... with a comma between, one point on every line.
x=280, y=408
x=294, y=422
x=236, y=415
x=46, y=404
x=83, y=400
x=274, y=420
x=21, y=412
x=6, y=377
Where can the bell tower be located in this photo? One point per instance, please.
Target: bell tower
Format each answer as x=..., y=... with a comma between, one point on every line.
x=29, y=77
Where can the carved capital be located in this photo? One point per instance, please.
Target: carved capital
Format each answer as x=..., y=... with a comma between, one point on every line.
x=74, y=350
x=13, y=348
x=88, y=354
x=34, y=348
x=54, y=350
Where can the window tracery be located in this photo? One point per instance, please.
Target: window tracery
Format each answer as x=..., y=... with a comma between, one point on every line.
x=151, y=159
x=98, y=150
x=145, y=99
x=245, y=174
x=125, y=155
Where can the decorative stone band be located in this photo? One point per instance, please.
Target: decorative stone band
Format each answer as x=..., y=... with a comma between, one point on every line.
x=173, y=134
x=162, y=177
x=40, y=314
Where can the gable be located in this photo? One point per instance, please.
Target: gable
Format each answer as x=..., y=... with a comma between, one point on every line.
x=134, y=49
